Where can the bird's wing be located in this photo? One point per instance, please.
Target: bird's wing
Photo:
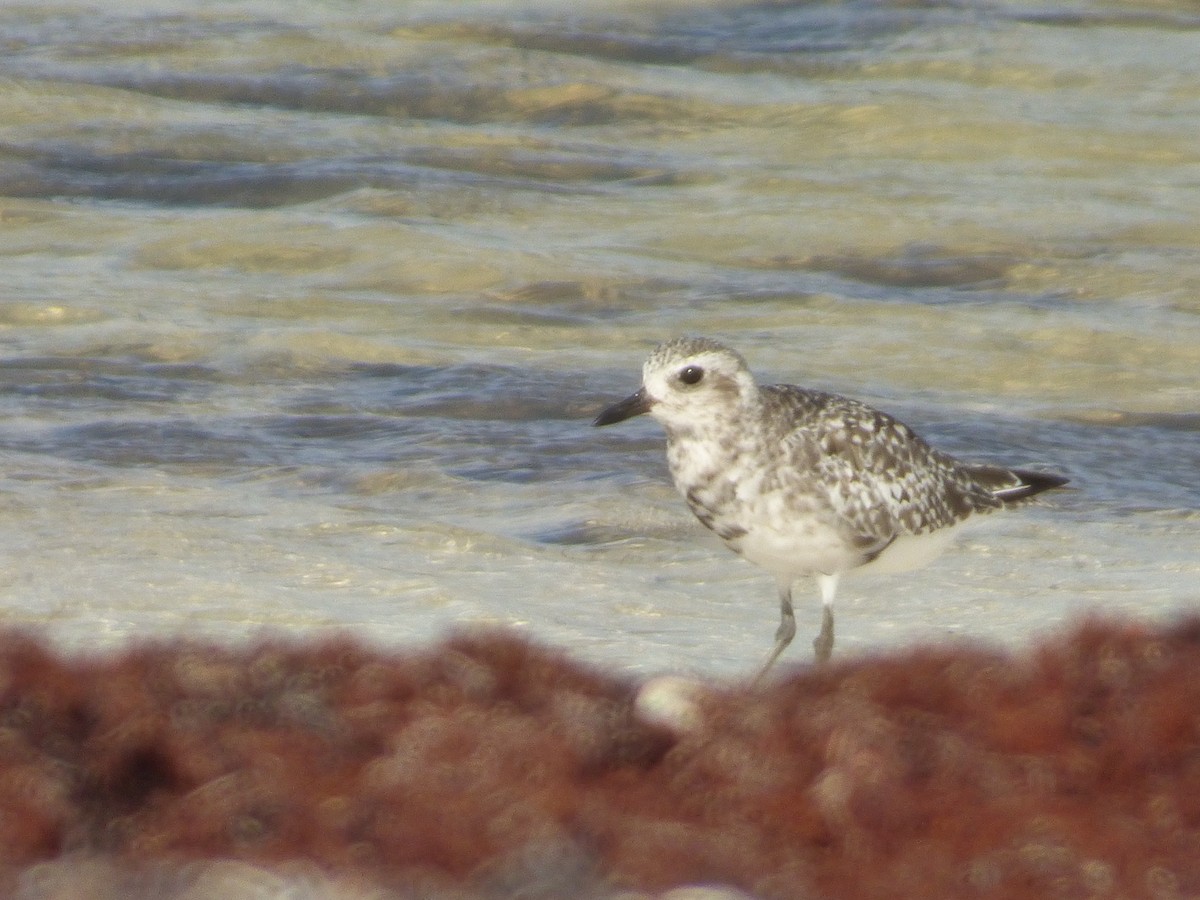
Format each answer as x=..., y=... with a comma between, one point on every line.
x=878, y=476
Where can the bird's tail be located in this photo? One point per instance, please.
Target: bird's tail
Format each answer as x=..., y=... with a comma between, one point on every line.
x=1015, y=485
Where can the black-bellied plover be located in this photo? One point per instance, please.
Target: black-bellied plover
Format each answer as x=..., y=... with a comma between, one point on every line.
x=804, y=482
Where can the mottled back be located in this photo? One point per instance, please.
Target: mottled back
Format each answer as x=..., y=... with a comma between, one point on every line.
x=880, y=478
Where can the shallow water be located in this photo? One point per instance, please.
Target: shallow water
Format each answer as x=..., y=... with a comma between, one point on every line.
x=307, y=307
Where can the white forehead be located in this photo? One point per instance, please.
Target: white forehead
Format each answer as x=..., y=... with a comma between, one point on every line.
x=671, y=357
x=726, y=382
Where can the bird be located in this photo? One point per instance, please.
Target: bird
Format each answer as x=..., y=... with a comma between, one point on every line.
x=804, y=482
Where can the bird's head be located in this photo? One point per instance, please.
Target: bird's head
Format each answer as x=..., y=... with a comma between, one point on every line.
x=686, y=383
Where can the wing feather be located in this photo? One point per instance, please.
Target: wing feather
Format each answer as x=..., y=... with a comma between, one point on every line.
x=875, y=473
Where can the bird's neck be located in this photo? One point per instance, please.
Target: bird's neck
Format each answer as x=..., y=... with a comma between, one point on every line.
x=702, y=449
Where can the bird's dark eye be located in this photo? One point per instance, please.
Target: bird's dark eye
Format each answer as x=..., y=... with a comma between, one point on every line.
x=691, y=374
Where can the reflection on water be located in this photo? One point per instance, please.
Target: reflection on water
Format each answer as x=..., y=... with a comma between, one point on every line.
x=306, y=310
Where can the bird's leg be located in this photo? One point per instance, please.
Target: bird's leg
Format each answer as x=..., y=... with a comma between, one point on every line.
x=823, y=642
x=787, y=627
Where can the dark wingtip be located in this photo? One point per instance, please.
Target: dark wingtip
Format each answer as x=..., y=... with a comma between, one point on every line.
x=1041, y=481
x=1015, y=485
x=1033, y=483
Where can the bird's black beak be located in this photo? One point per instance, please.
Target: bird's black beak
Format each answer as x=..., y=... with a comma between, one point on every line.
x=631, y=406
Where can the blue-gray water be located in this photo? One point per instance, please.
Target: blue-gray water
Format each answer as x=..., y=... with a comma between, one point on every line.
x=307, y=306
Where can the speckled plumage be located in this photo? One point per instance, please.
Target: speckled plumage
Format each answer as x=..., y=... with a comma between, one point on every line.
x=804, y=482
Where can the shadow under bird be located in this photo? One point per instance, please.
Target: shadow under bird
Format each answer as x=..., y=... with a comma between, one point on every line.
x=803, y=482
